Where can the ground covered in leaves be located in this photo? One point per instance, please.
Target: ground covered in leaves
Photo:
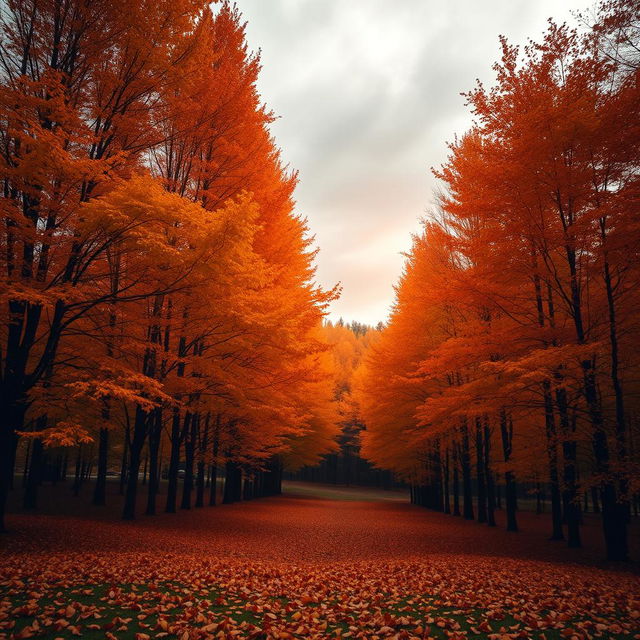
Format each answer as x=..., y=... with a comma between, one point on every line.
x=298, y=567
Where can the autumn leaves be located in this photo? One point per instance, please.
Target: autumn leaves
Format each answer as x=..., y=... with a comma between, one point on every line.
x=158, y=296
x=511, y=349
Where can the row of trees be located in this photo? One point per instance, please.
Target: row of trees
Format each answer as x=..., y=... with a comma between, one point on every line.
x=512, y=348
x=157, y=287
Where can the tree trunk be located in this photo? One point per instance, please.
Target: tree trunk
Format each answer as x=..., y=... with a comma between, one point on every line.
x=456, y=482
x=174, y=459
x=25, y=469
x=569, y=457
x=155, y=436
x=100, y=490
x=135, y=454
x=213, y=493
x=273, y=477
x=200, y=484
x=511, y=501
x=77, y=478
x=202, y=452
x=480, y=473
x=125, y=456
x=189, y=453
x=447, y=502
x=491, y=499
x=247, y=489
x=552, y=451
x=615, y=518
x=232, y=483
x=35, y=475
x=466, y=475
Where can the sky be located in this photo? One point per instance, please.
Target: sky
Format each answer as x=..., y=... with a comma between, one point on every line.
x=367, y=94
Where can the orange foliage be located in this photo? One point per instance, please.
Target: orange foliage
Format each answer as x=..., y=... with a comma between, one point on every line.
x=157, y=282
x=516, y=314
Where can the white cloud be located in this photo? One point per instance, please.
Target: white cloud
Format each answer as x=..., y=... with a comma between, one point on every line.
x=368, y=93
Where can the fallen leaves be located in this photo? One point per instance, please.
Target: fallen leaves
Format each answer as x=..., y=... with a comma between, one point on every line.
x=129, y=588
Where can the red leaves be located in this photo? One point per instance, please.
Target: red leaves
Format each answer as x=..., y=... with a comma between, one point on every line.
x=272, y=585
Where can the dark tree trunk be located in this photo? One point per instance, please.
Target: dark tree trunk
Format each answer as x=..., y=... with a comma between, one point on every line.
x=273, y=477
x=447, y=502
x=200, y=484
x=258, y=484
x=25, y=470
x=488, y=474
x=100, y=490
x=202, y=452
x=232, y=483
x=569, y=458
x=456, y=482
x=247, y=490
x=89, y=465
x=213, y=493
x=538, y=498
x=11, y=466
x=550, y=423
x=511, y=499
x=174, y=459
x=480, y=473
x=125, y=456
x=438, y=488
x=614, y=519
x=135, y=455
x=466, y=475
x=618, y=506
x=213, y=489
x=554, y=478
x=35, y=475
x=585, y=497
x=155, y=436
x=614, y=522
x=189, y=454
x=77, y=478
x=55, y=471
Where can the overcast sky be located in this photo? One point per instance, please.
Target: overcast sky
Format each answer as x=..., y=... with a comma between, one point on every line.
x=368, y=94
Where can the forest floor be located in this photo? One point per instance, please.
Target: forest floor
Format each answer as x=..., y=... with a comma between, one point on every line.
x=305, y=565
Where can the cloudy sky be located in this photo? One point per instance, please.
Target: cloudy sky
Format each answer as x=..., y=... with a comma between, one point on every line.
x=368, y=93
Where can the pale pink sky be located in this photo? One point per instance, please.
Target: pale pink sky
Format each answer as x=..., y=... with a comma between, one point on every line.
x=368, y=94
